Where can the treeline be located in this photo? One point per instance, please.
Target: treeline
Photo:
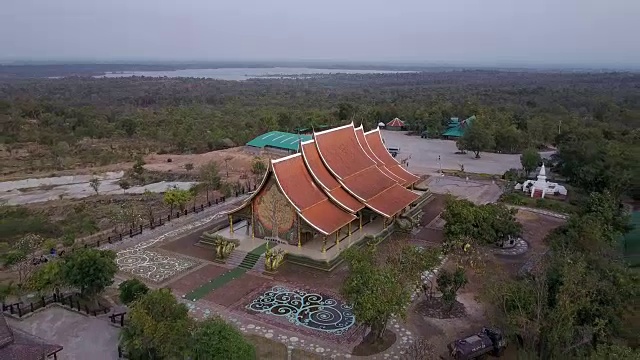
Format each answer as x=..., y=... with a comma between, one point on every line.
x=109, y=120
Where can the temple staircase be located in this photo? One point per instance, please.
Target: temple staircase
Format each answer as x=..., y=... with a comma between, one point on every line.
x=246, y=260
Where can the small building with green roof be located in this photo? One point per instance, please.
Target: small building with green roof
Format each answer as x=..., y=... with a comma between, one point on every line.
x=456, y=128
x=278, y=141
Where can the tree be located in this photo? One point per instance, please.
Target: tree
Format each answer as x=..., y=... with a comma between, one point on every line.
x=18, y=256
x=177, y=197
x=466, y=222
x=448, y=283
x=595, y=164
x=131, y=290
x=530, y=159
x=158, y=328
x=477, y=138
x=188, y=167
x=214, y=339
x=124, y=185
x=148, y=199
x=210, y=176
x=258, y=167
x=226, y=164
x=379, y=291
x=47, y=277
x=94, y=183
x=138, y=166
x=507, y=138
x=193, y=192
x=373, y=292
x=90, y=270
x=123, y=216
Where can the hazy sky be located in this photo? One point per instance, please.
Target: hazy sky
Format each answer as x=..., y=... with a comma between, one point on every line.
x=598, y=32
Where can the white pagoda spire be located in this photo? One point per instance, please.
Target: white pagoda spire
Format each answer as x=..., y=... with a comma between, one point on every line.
x=543, y=173
x=541, y=183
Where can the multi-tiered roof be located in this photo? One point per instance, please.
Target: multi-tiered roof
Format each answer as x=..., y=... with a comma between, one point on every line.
x=338, y=173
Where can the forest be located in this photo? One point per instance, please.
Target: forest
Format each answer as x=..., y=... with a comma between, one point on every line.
x=56, y=124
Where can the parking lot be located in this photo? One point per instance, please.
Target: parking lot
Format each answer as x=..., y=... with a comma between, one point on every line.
x=424, y=155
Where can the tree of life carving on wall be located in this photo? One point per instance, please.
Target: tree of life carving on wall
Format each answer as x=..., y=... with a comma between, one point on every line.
x=274, y=211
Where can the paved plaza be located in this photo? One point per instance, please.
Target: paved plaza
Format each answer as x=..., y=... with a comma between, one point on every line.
x=424, y=155
x=83, y=337
x=477, y=191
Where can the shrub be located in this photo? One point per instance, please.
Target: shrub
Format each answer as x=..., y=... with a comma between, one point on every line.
x=131, y=290
x=68, y=240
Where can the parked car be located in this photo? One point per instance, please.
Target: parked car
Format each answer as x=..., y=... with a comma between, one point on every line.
x=393, y=150
x=487, y=341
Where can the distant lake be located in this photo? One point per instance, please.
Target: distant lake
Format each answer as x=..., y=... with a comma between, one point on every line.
x=244, y=73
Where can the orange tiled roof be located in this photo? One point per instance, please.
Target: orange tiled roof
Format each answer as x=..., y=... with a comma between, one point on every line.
x=374, y=139
x=324, y=178
x=343, y=155
x=365, y=146
x=311, y=203
x=395, y=123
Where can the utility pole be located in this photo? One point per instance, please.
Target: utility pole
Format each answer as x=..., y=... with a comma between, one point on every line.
x=440, y=163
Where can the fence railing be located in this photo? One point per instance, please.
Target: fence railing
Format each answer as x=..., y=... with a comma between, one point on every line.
x=110, y=238
x=72, y=300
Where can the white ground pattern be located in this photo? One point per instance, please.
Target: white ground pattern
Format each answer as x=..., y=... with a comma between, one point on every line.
x=155, y=266
x=152, y=265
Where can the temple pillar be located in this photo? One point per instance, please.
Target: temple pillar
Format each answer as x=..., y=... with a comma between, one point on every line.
x=248, y=225
x=324, y=244
x=231, y=224
x=360, y=217
x=299, y=234
x=349, y=228
x=253, y=228
x=338, y=237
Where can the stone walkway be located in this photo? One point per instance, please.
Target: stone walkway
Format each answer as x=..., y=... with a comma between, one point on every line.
x=181, y=225
x=539, y=211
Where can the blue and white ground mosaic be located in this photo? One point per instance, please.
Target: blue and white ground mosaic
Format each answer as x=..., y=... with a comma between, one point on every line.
x=306, y=309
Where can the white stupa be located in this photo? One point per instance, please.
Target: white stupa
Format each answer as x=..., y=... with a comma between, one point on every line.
x=541, y=187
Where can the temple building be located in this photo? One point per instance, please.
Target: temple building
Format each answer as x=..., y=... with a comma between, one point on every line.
x=341, y=186
x=540, y=187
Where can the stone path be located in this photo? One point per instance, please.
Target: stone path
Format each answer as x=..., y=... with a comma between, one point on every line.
x=539, y=211
x=181, y=225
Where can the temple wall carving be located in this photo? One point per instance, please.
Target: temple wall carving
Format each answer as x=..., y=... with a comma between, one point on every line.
x=274, y=216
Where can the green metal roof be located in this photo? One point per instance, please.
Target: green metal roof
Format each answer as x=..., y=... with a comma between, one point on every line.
x=279, y=140
x=453, y=132
x=456, y=128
